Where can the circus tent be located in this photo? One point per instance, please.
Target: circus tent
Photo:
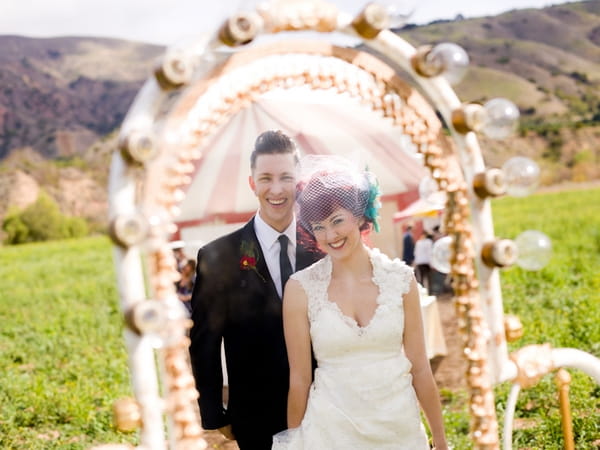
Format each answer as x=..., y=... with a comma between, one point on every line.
x=219, y=197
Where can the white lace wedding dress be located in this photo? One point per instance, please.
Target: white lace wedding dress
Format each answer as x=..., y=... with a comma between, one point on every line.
x=362, y=395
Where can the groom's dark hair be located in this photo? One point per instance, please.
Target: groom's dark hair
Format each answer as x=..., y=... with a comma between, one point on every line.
x=272, y=142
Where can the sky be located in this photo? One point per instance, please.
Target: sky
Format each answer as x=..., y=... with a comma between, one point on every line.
x=168, y=21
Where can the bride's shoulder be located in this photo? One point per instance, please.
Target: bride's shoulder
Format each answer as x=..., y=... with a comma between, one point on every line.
x=384, y=262
x=316, y=271
x=392, y=275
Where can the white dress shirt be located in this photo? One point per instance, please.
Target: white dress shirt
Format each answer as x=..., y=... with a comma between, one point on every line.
x=423, y=250
x=268, y=240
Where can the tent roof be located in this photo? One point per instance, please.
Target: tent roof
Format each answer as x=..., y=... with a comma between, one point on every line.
x=419, y=208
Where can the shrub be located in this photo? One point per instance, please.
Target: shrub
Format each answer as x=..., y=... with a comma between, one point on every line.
x=15, y=229
x=41, y=221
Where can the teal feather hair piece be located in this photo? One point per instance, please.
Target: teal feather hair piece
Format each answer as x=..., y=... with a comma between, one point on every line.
x=374, y=202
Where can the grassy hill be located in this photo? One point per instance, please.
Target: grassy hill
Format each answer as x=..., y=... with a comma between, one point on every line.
x=553, y=52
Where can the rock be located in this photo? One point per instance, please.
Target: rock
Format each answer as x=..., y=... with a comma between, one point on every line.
x=17, y=189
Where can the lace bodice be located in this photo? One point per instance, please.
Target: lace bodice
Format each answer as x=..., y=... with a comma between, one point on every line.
x=337, y=339
x=362, y=395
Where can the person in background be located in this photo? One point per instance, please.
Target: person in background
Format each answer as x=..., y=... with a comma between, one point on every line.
x=237, y=300
x=408, y=246
x=180, y=257
x=185, y=285
x=436, y=233
x=423, y=250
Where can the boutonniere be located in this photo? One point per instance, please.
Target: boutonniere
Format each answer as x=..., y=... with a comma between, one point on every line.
x=249, y=257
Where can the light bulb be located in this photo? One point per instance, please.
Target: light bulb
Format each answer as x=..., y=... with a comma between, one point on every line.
x=398, y=12
x=148, y=319
x=500, y=119
x=521, y=176
x=429, y=191
x=535, y=250
x=427, y=187
x=128, y=230
x=170, y=315
x=175, y=310
x=440, y=254
x=450, y=60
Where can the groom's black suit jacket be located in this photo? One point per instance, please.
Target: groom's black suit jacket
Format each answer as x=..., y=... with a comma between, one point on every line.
x=241, y=306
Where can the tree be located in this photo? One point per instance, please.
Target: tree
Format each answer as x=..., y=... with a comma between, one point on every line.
x=16, y=231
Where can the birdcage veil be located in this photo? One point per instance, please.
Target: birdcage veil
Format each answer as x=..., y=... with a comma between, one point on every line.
x=328, y=182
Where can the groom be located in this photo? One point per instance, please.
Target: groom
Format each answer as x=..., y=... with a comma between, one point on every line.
x=237, y=299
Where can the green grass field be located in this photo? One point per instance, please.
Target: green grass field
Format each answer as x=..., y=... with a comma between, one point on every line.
x=560, y=305
x=61, y=349
x=64, y=363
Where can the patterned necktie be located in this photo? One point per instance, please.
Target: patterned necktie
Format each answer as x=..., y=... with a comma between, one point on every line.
x=285, y=266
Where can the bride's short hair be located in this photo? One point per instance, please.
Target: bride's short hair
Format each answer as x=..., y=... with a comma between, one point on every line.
x=326, y=192
x=328, y=182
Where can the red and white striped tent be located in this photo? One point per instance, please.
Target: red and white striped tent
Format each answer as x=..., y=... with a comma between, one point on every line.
x=219, y=197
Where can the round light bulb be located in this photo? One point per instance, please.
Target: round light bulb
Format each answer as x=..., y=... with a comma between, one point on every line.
x=501, y=118
x=398, y=12
x=429, y=191
x=427, y=187
x=175, y=310
x=451, y=59
x=440, y=254
x=521, y=176
x=535, y=250
x=149, y=317
x=169, y=315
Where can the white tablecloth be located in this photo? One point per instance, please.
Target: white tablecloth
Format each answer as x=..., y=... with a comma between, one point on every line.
x=435, y=343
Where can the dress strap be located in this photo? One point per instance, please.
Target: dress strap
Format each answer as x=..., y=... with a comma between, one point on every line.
x=315, y=281
x=392, y=276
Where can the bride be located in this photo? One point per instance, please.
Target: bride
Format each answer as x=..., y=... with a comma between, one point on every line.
x=359, y=312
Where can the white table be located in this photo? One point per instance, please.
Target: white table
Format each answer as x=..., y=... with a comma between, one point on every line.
x=435, y=343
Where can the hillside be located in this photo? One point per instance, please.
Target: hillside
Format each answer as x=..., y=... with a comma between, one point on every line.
x=62, y=100
x=545, y=60
x=58, y=96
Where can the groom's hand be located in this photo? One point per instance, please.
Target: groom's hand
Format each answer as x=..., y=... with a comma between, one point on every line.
x=226, y=431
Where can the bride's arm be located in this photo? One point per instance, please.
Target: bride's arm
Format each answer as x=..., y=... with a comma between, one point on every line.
x=423, y=381
x=297, y=341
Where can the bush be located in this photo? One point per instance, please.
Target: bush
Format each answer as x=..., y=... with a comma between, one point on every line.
x=14, y=227
x=41, y=221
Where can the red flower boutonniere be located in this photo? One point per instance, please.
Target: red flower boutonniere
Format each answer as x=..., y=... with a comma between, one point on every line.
x=249, y=257
x=247, y=263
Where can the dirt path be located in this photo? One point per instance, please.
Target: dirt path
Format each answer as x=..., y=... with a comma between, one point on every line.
x=449, y=371
x=215, y=440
